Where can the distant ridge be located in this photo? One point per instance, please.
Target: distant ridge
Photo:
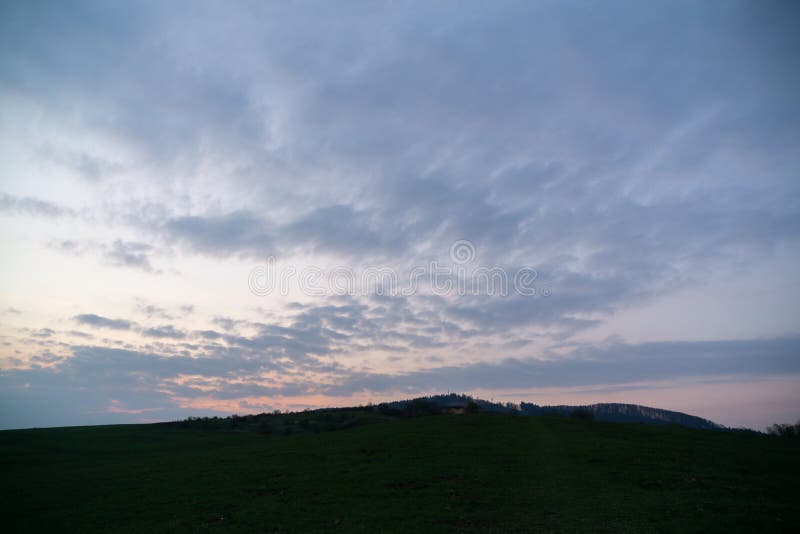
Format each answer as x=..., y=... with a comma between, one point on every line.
x=626, y=413
x=611, y=412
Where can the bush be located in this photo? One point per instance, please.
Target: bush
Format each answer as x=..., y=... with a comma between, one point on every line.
x=784, y=430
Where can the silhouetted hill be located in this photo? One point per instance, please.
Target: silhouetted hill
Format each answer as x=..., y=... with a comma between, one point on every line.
x=327, y=419
x=625, y=413
x=611, y=412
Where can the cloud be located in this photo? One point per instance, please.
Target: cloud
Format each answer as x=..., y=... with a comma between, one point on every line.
x=549, y=164
x=621, y=173
x=337, y=228
x=130, y=254
x=618, y=364
x=43, y=333
x=238, y=233
x=226, y=323
x=97, y=321
x=90, y=167
x=82, y=386
x=164, y=331
x=33, y=206
x=119, y=253
x=78, y=333
x=209, y=334
x=151, y=310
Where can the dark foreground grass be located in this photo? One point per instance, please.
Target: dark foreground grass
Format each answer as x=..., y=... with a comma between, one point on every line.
x=441, y=473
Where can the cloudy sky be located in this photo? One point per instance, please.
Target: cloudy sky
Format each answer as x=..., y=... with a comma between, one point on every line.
x=229, y=207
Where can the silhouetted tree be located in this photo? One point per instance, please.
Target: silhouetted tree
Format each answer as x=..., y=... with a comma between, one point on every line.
x=421, y=406
x=472, y=407
x=785, y=430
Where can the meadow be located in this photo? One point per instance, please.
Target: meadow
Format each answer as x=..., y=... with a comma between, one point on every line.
x=442, y=473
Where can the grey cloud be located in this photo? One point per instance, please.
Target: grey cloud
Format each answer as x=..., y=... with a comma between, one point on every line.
x=43, y=333
x=226, y=322
x=90, y=319
x=78, y=333
x=314, y=331
x=637, y=251
x=79, y=389
x=615, y=365
x=90, y=167
x=70, y=246
x=130, y=254
x=46, y=358
x=548, y=158
x=209, y=334
x=337, y=228
x=151, y=310
x=33, y=206
x=238, y=233
x=537, y=131
x=164, y=331
x=87, y=381
x=119, y=253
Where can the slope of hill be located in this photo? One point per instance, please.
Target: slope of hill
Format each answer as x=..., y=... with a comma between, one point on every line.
x=626, y=413
x=448, y=473
x=611, y=412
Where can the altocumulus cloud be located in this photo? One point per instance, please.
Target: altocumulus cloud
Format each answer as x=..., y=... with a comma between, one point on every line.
x=98, y=321
x=94, y=378
x=625, y=152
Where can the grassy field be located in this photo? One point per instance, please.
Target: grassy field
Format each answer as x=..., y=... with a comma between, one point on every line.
x=439, y=473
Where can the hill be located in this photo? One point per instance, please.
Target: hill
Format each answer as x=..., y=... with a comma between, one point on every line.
x=611, y=412
x=625, y=413
x=327, y=419
x=450, y=473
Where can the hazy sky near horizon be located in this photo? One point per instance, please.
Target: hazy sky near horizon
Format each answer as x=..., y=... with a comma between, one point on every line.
x=164, y=165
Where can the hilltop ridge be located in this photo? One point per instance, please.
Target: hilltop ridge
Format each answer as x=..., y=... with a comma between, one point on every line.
x=607, y=411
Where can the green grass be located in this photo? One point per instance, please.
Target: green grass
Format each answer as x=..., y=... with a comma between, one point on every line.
x=442, y=473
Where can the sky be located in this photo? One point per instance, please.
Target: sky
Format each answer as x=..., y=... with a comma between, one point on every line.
x=210, y=208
